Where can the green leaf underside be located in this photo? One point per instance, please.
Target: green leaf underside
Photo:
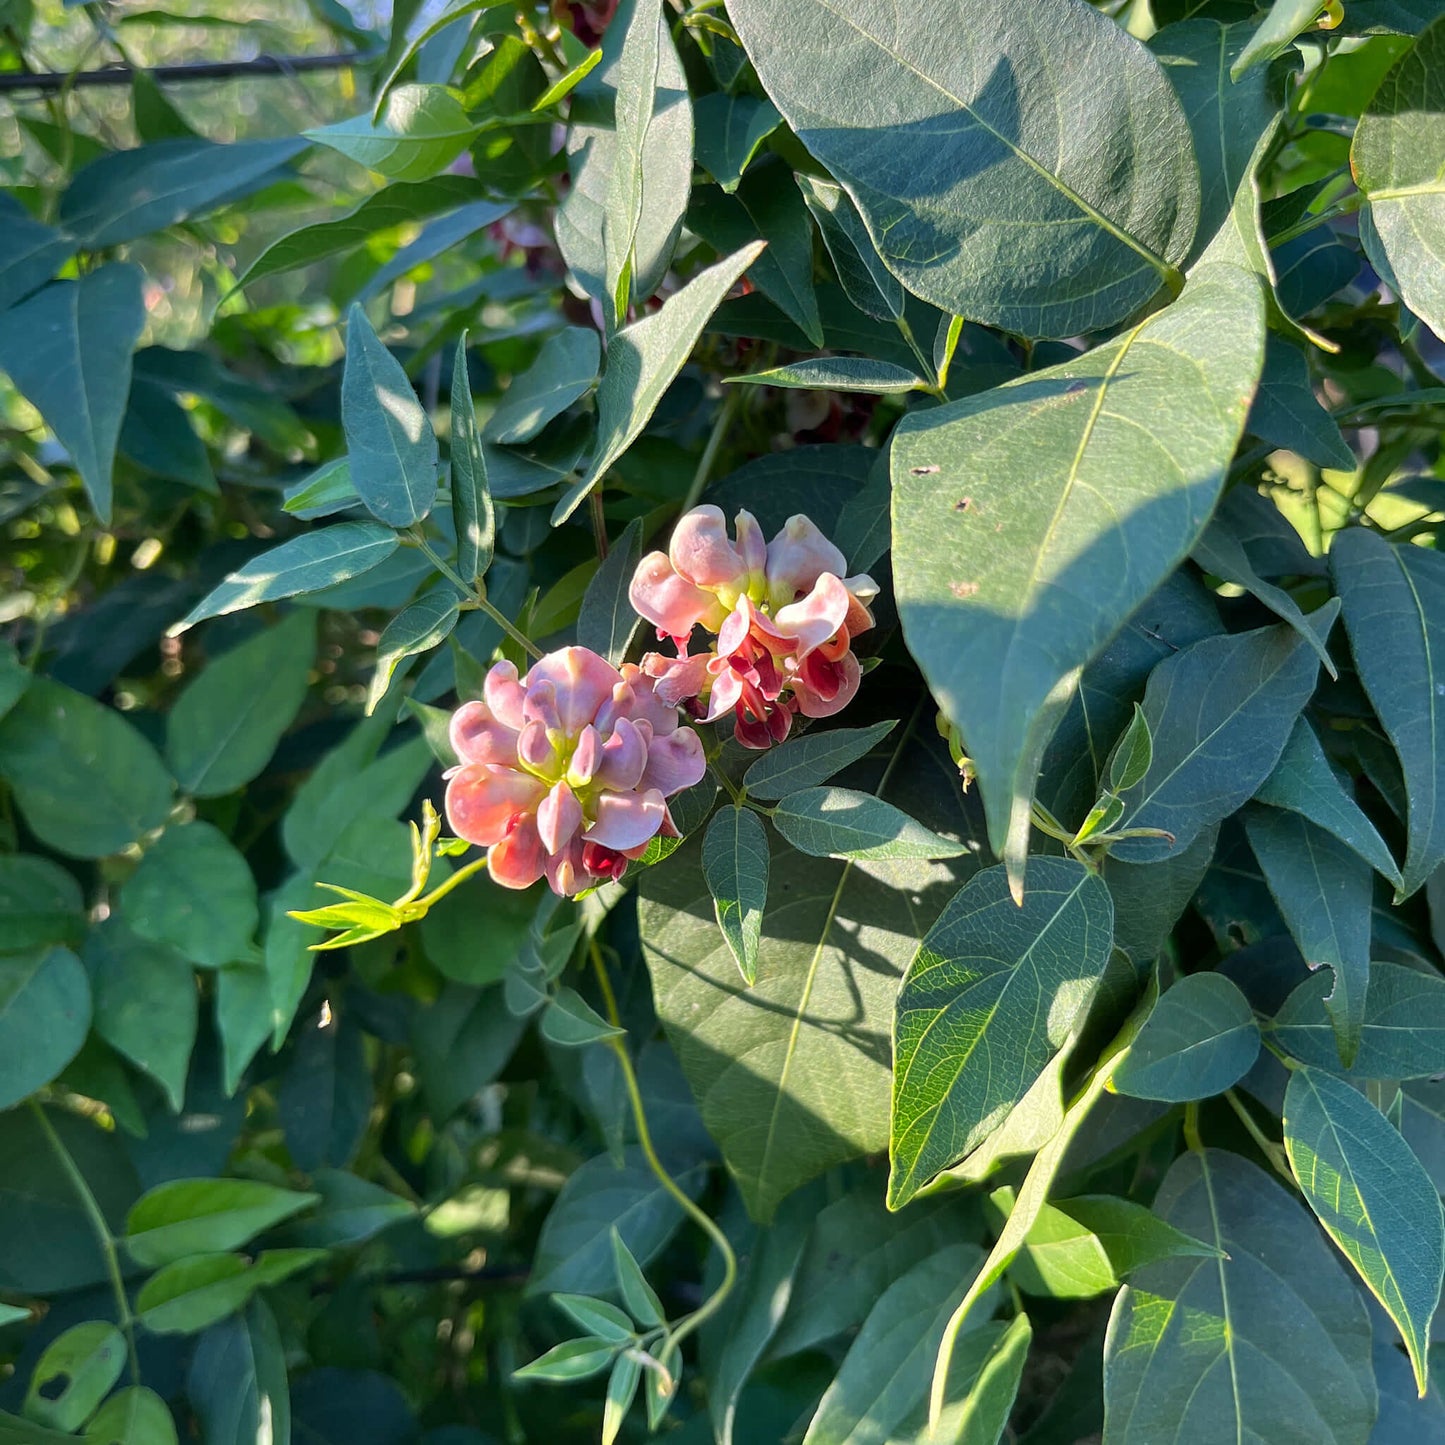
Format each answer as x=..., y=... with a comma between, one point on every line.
x=1269, y=1342
x=808, y=761
x=735, y=864
x=1372, y=1196
x=1029, y=522
x=44, y=1017
x=837, y=373
x=994, y=990
x=193, y=1216
x=928, y=138
x=842, y=823
x=1200, y=1039
x=422, y=130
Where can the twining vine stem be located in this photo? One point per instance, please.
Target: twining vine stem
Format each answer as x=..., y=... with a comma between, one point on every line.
x=103, y=1236
x=475, y=596
x=618, y=1045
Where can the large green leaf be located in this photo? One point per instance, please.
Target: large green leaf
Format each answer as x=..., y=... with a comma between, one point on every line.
x=607, y=621
x=730, y=128
x=993, y=992
x=33, y=253
x=643, y=359
x=1304, y=782
x=237, y=1381
x=307, y=563
x=389, y=439
x=960, y=155
x=1200, y=1039
x=1030, y=521
x=1398, y=158
x=1403, y=1034
x=44, y=1018
x=1267, y=1342
x=564, y=371
x=1394, y=610
x=135, y=1415
x=1226, y=118
x=68, y=350
x=1220, y=713
x=814, y=1026
x=808, y=761
x=593, y=150
x=1322, y=889
x=226, y=723
x=735, y=864
x=40, y=903
x=74, y=1374
x=127, y=194
x=86, y=781
x=194, y=891
x=1373, y=1197
x=422, y=130
x=205, y=1216
x=844, y=823
x=1287, y=413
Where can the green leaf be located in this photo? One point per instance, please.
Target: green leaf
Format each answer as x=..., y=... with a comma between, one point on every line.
x=976, y=201
x=87, y=783
x=74, y=1375
x=133, y=1416
x=835, y=953
x=323, y=493
x=1398, y=159
x=574, y=1251
x=1150, y=898
x=68, y=351
x=422, y=131
x=237, y=1381
x=145, y=1003
x=128, y=194
x=426, y=624
x=1221, y=551
x=1322, y=889
x=1372, y=1196
x=191, y=1294
x=158, y=437
x=995, y=989
x=1394, y=610
x=1304, y=782
x=767, y=206
x=226, y=723
x=1130, y=1235
x=384, y=210
x=607, y=622
x=621, y=1391
x=642, y=1303
x=390, y=444
x=837, y=373
x=869, y=284
x=1402, y=1036
x=805, y=762
x=571, y=1021
x=351, y=1210
x=434, y=239
x=735, y=864
x=593, y=151
x=1287, y=413
x=40, y=903
x=14, y=678
x=571, y=1360
x=565, y=371
x=473, y=514
x=881, y=1389
x=307, y=563
x=1200, y=1040
x=44, y=1018
x=1286, y=20
x=642, y=361
x=1226, y=118
x=1269, y=1341
x=405, y=54
x=1220, y=713
x=842, y=823
x=730, y=128
x=595, y=1316
x=205, y=1216
x=644, y=35
x=1132, y=753
x=1109, y=510
x=33, y=253
x=561, y=88
x=194, y=891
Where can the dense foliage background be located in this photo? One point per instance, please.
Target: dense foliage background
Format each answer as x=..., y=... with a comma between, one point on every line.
x=1049, y=1048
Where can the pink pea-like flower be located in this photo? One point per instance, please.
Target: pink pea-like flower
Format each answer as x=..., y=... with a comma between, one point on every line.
x=784, y=616
x=565, y=773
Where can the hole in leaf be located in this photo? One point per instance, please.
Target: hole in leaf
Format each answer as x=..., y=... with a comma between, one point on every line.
x=54, y=1387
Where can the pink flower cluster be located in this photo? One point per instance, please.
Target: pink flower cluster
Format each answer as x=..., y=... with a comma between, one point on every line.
x=783, y=615
x=565, y=773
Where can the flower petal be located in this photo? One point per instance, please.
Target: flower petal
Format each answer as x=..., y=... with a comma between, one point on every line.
x=675, y=762
x=566, y=874
x=503, y=694
x=812, y=620
x=582, y=682
x=559, y=816
x=797, y=557
x=671, y=603
x=517, y=861
x=844, y=680
x=624, y=756
x=482, y=800
x=626, y=819
x=751, y=547
x=701, y=552
x=477, y=737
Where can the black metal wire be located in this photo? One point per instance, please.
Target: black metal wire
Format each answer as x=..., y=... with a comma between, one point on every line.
x=208, y=70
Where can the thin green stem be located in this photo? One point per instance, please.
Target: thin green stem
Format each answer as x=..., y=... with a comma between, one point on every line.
x=459, y=877
x=705, y=1222
x=103, y=1236
x=1191, y=1127
x=725, y=416
x=1305, y=224
x=475, y=595
x=1279, y=1161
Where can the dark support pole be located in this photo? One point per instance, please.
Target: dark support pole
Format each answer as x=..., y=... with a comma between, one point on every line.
x=166, y=74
